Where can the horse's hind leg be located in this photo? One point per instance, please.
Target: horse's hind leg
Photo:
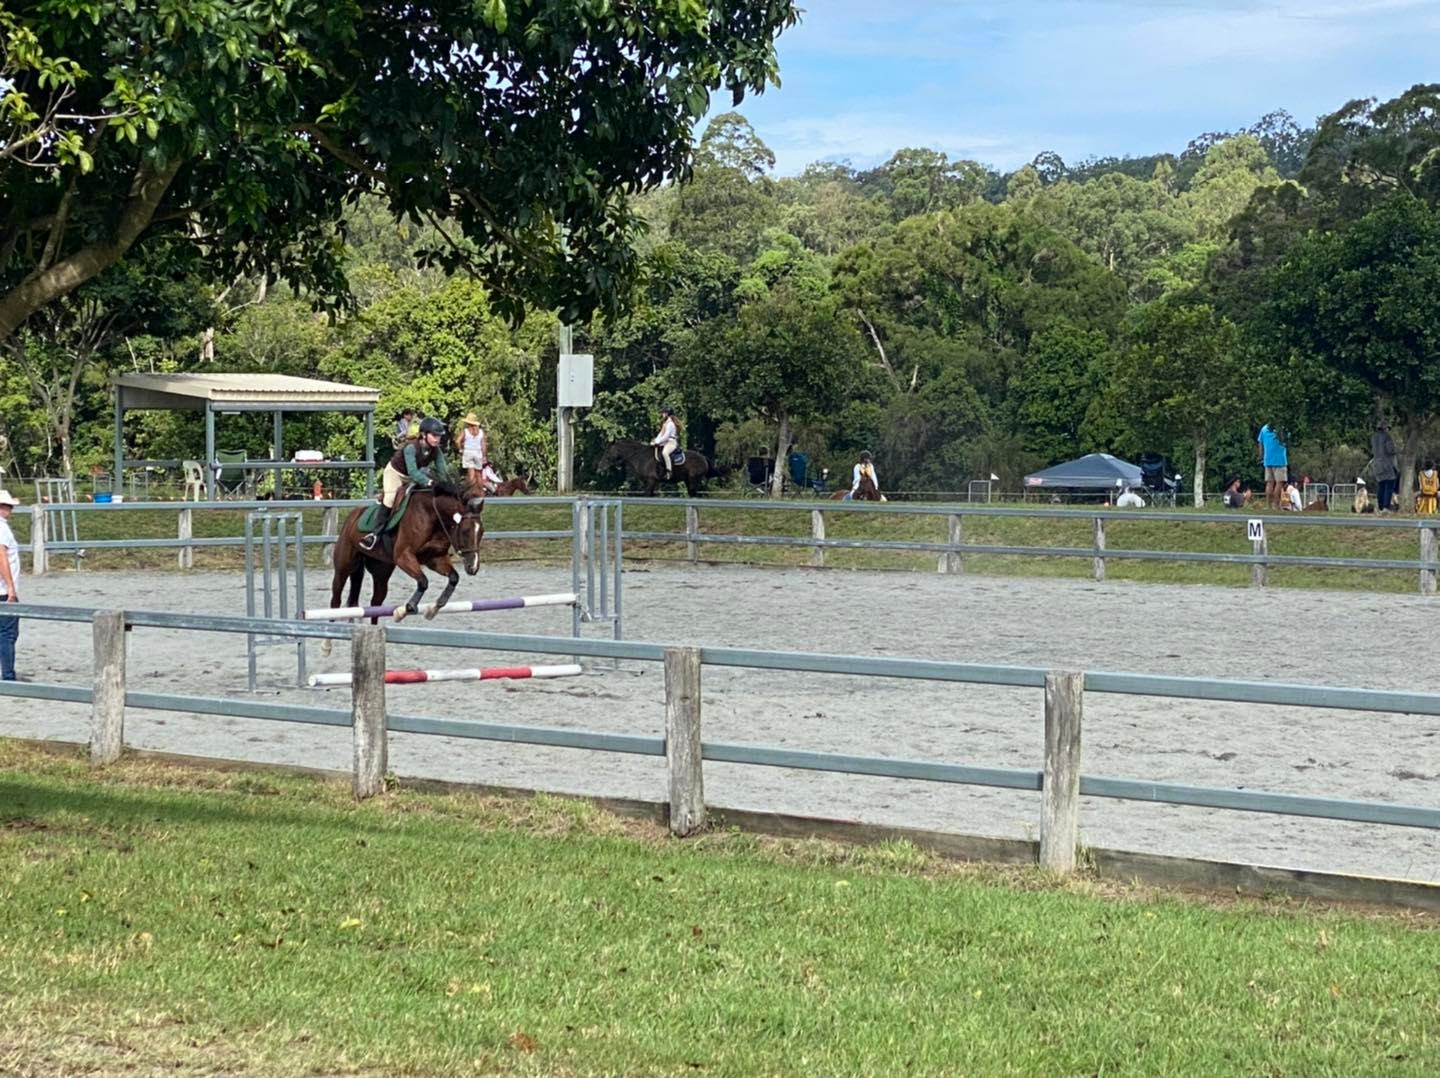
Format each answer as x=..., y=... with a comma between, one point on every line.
x=380, y=573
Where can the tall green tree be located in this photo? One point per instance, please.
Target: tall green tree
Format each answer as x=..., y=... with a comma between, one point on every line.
x=1181, y=375
x=785, y=355
x=519, y=128
x=1361, y=300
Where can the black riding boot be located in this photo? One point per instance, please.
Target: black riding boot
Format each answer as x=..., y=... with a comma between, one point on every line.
x=372, y=537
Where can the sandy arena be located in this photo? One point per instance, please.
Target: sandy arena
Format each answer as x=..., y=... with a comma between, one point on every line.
x=1316, y=637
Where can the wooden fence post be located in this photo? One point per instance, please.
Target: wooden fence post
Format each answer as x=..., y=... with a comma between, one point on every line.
x=1100, y=546
x=186, y=530
x=682, y=741
x=1428, y=552
x=107, y=701
x=692, y=529
x=330, y=528
x=1258, y=570
x=367, y=709
x=951, y=562
x=817, y=531
x=1060, y=792
x=38, y=560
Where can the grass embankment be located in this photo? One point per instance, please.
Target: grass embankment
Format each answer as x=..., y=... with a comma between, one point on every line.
x=1137, y=534
x=204, y=922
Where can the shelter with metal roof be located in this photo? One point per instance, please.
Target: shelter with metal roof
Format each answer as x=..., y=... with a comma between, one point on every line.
x=221, y=393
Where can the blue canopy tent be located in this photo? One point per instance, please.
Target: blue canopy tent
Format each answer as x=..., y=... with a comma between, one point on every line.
x=1094, y=471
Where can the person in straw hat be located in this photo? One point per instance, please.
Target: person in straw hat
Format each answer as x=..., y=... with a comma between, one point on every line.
x=474, y=458
x=9, y=586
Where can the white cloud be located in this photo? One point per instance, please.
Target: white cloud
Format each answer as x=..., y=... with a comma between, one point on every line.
x=868, y=138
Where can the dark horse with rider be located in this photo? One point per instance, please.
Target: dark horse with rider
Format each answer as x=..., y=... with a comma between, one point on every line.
x=425, y=509
x=661, y=460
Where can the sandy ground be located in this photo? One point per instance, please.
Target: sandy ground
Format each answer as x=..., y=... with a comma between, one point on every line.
x=1317, y=637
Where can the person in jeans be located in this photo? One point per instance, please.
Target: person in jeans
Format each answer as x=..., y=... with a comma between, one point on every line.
x=9, y=586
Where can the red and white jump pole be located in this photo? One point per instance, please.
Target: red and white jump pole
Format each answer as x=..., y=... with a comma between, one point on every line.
x=454, y=606
x=483, y=673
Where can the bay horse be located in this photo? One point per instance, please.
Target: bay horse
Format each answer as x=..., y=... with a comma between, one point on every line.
x=639, y=460
x=439, y=517
x=866, y=492
x=514, y=485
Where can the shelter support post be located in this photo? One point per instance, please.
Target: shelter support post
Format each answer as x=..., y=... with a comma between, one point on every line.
x=278, y=455
x=370, y=453
x=210, y=457
x=119, y=472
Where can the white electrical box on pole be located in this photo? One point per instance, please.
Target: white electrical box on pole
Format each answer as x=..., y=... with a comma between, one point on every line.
x=574, y=388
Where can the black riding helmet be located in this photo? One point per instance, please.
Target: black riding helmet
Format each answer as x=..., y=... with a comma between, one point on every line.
x=431, y=425
x=865, y=455
x=667, y=410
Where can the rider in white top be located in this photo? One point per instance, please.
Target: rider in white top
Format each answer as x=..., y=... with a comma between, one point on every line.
x=668, y=438
x=864, y=467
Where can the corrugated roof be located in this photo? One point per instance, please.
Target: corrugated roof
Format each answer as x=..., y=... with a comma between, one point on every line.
x=250, y=388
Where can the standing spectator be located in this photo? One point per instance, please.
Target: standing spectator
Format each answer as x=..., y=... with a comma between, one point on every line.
x=474, y=454
x=9, y=586
x=1382, y=460
x=1270, y=447
x=1429, y=490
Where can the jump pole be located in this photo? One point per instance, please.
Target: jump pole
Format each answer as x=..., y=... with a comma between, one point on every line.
x=490, y=673
x=518, y=602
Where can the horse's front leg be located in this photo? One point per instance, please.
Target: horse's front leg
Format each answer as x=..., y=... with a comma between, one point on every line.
x=410, y=566
x=442, y=565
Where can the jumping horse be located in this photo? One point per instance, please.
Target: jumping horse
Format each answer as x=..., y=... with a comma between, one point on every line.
x=639, y=459
x=438, y=518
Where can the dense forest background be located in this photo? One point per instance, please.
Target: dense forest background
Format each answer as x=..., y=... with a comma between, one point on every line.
x=954, y=320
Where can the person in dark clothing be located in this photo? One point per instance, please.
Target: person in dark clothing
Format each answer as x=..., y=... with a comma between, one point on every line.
x=420, y=462
x=1382, y=460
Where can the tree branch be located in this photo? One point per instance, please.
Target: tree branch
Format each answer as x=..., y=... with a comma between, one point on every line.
x=147, y=190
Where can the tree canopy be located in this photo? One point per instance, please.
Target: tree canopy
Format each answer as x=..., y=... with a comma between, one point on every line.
x=519, y=129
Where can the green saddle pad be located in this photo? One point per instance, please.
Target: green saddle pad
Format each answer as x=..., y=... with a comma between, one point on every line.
x=367, y=518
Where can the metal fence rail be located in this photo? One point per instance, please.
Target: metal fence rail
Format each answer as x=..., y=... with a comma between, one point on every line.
x=683, y=714
x=951, y=549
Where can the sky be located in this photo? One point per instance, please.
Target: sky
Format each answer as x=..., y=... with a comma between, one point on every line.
x=999, y=82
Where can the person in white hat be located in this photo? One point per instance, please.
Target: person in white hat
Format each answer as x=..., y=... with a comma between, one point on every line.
x=9, y=586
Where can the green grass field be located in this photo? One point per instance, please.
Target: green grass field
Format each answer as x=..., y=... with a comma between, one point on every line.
x=1137, y=534
x=192, y=921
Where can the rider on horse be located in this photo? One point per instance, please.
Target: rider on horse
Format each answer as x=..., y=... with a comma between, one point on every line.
x=865, y=467
x=419, y=461
x=668, y=439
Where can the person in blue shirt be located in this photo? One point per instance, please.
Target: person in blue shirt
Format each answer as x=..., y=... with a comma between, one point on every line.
x=1270, y=448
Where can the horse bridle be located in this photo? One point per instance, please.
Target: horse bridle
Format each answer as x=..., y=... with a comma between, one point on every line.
x=450, y=534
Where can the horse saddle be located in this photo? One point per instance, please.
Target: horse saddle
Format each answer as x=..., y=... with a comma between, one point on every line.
x=366, y=523
x=677, y=458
